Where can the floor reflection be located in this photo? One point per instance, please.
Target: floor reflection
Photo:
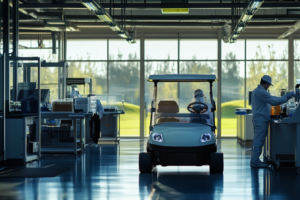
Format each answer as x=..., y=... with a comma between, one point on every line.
x=182, y=185
x=111, y=172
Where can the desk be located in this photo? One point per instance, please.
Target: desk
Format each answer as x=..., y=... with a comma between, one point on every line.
x=71, y=116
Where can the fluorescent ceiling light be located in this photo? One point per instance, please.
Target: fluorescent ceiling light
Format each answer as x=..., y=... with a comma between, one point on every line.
x=131, y=41
x=114, y=27
x=240, y=29
x=90, y=5
x=246, y=18
x=232, y=40
x=175, y=11
x=235, y=36
x=122, y=34
x=104, y=17
x=255, y=4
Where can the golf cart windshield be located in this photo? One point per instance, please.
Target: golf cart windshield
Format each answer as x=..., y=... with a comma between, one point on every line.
x=174, y=94
x=169, y=111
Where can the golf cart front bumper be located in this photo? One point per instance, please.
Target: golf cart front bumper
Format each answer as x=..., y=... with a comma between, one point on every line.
x=181, y=156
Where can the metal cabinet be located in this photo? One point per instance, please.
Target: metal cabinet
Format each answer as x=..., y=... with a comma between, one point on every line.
x=245, y=131
x=22, y=138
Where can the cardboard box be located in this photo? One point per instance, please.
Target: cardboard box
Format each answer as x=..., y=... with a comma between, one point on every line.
x=64, y=106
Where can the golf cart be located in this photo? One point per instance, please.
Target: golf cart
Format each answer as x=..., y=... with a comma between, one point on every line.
x=181, y=139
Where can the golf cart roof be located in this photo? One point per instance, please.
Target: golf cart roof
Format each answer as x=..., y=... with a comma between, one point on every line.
x=182, y=78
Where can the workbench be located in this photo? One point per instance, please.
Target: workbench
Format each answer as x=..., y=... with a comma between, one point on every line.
x=283, y=142
x=68, y=116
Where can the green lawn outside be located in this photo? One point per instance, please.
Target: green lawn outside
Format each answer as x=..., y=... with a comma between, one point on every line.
x=130, y=121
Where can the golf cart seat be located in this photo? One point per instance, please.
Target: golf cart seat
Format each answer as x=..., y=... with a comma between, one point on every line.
x=168, y=106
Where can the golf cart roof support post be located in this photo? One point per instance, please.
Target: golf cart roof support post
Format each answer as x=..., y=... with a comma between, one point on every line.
x=153, y=107
x=211, y=100
x=155, y=95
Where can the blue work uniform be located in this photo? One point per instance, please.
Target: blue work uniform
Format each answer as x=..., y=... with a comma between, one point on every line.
x=261, y=105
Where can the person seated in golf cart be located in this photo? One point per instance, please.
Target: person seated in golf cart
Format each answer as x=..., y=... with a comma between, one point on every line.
x=199, y=97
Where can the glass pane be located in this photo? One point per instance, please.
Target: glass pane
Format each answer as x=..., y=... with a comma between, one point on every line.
x=198, y=49
x=165, y=90
x=278, y=70
x=234, y=51
x=35, y=44
x=87, y=50
x=25, y=98
x=267, y=49
x=49, y=80
x=297, y=49
x=124, y=79
x=161, y=49
x=122, y=50
x=232, y=91
x=187, y=89
x=44, y=54
x=95, y=70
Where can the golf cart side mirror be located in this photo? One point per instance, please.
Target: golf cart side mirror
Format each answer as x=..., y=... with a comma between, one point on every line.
x=213, y=128
x=213, y=109
x=151, y=128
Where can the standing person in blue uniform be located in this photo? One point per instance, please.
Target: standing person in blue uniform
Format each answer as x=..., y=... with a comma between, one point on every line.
x=95, y=122
x=261, y=101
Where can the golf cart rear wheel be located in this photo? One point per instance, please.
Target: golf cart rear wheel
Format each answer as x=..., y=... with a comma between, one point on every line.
x=216, y=163
x=145, y=162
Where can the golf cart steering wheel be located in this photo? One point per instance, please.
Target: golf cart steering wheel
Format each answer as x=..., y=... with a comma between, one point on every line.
x=197, y=109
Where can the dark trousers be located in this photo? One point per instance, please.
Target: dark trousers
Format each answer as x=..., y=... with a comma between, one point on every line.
x=95, y=128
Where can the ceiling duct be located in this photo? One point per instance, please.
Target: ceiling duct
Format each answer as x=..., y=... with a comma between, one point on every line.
x=226, y=33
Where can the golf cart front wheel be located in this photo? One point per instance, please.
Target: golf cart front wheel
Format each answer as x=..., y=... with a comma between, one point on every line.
x=216, y=163
x=145, y=162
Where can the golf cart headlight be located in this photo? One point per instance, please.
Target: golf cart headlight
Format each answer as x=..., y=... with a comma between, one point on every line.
x=157, y=137
x=206, y=137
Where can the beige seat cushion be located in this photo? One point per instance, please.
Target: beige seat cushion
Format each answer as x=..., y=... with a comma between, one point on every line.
x=168, y=106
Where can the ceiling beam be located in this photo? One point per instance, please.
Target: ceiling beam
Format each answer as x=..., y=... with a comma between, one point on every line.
x=278, y=5
x=256, y=18
x=40, y=26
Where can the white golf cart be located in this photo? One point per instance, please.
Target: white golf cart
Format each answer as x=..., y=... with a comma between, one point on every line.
x=181, y=139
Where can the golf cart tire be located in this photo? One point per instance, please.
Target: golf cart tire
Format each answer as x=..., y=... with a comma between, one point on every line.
x=145, y=162
x=216, y=163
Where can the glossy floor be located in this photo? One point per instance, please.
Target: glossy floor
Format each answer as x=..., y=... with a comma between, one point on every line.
x=111, y=172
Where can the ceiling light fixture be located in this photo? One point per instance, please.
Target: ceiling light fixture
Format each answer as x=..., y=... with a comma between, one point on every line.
x=175, y=11
x=246, y=17
x=101, y=13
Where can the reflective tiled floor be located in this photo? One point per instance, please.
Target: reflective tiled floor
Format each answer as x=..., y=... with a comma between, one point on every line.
x=111, y=172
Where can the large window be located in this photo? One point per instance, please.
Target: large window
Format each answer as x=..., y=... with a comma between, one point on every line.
x=114, y=66
x=195, y=56
x=297, y=60
x=87, y=49
x=261, y=57
x=97, y=71
x=124, y=78
x=161, y=49
x=232, y=85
